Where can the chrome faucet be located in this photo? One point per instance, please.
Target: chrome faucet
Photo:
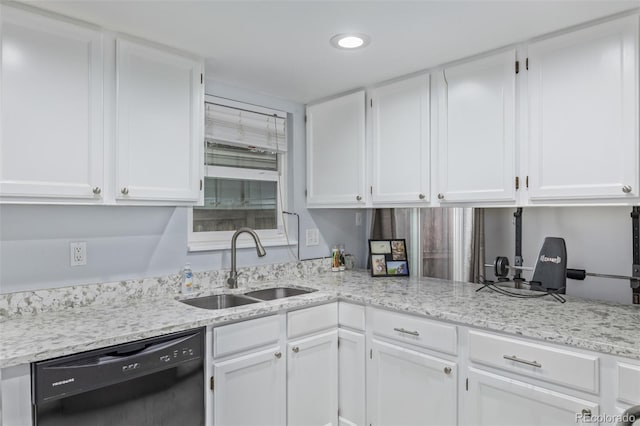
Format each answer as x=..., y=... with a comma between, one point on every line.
x=232, y=281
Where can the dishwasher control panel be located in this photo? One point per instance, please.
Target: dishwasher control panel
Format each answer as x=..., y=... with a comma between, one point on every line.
x=73, y=374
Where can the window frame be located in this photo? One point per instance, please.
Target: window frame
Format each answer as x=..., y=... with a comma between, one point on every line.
x=221, y=240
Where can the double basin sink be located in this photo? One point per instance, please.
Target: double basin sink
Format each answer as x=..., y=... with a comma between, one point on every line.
x=222, y=301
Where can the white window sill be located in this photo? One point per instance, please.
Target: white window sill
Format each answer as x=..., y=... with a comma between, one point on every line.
x=195, y=246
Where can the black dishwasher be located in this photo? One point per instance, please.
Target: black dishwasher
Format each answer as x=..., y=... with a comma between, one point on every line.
x=157, y=381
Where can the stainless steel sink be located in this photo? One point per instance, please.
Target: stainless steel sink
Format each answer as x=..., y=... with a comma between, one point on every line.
x=219, y=301
x=277, y=293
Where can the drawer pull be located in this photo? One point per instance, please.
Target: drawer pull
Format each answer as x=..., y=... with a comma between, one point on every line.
x=402, y=330
x=447, y=370
x=295, y=349
x=278, y=355
x=522, y=361
x=586, y=413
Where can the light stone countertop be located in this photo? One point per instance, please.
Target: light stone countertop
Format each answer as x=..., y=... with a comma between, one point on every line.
x=598, y=326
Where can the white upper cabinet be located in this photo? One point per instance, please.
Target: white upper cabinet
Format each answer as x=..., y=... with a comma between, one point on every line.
x=400, y=145
x=51, y=144
x=477, y=134
x=583, y=114
x=336, y=152
x=159, y=124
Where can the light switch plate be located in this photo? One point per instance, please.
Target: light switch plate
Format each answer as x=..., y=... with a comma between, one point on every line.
x=313, y=237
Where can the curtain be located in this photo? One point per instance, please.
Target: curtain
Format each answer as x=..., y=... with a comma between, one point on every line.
x=436, y=231
x=473, y=245
x=383, y=227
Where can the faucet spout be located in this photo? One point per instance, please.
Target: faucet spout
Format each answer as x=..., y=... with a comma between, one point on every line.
x=232, y=281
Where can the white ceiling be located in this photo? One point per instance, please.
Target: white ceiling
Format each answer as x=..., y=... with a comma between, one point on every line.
x=281, y=48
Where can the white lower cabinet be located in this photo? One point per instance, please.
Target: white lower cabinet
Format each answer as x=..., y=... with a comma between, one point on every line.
x=497, y=400
x=251, y=389
x=407, y=387
x=264, y=376
x=351, y=378
x=312, y=380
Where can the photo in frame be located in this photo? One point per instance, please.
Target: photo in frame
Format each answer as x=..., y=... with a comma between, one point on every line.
x=389, y=258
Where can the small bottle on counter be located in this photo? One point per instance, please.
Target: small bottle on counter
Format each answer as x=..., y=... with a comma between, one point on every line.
x=187, y=279
x=335, y=258
x=342, y=259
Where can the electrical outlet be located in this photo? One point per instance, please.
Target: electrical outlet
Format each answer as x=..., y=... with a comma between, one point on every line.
x=78, y=253
x=313, y=237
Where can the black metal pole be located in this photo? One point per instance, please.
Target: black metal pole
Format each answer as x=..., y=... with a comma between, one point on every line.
x=635, y=225
x=517, y=276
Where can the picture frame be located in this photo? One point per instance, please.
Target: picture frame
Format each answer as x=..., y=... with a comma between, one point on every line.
x=389, y=258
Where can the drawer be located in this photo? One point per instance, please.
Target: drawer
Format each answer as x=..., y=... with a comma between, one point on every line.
x=629, y=383
x=413, y=330
x=312, y=320
x=566, y=368
x=245, y=335
x=350, y=315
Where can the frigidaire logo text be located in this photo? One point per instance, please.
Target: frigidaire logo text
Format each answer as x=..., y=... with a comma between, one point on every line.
x=545, y=259
x=63, y=382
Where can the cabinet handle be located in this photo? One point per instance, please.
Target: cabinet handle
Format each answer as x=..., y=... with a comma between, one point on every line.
x=627, y=189
x=402, y=330
x=421, y=196
x=358, y=198
x=586, y=413
x=447, y=370
x=97, y=190
x=278, y=354
x=522, y=361
x=295, y=349
x=441, y=196
x=124, y=190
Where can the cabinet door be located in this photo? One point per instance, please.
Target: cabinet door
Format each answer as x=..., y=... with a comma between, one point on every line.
x=400, y=169
x=476, y=147
x=351, y=386
x=406, y=387
x=250, y=389
x=159, y=124
x=583, y=111
x=51, y=142
x=495, y=400
x=336, y=152
x=312, y=380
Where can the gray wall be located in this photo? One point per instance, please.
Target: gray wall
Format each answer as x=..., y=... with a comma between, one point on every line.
x=137, y=242
x=598, y=239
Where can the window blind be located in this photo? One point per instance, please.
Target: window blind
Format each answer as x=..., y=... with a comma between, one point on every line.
x=241, y=127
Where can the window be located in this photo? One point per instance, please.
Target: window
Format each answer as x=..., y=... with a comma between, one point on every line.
x=245, y=175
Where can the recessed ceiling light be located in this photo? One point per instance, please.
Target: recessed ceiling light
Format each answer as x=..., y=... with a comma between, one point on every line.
x=350, y=41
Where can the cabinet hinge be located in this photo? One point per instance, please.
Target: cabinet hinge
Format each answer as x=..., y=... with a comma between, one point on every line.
x=370, y=353
x=305, y=192
x=200, y=184
x=211, y=383
x=517, y=67
x=338, y=348
x=467, y=384
x=201, y=78
x=526, y=62
x=305, y=118
x=517, y=182
x=526, y=181
x=371, y=102
x=371, y=190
